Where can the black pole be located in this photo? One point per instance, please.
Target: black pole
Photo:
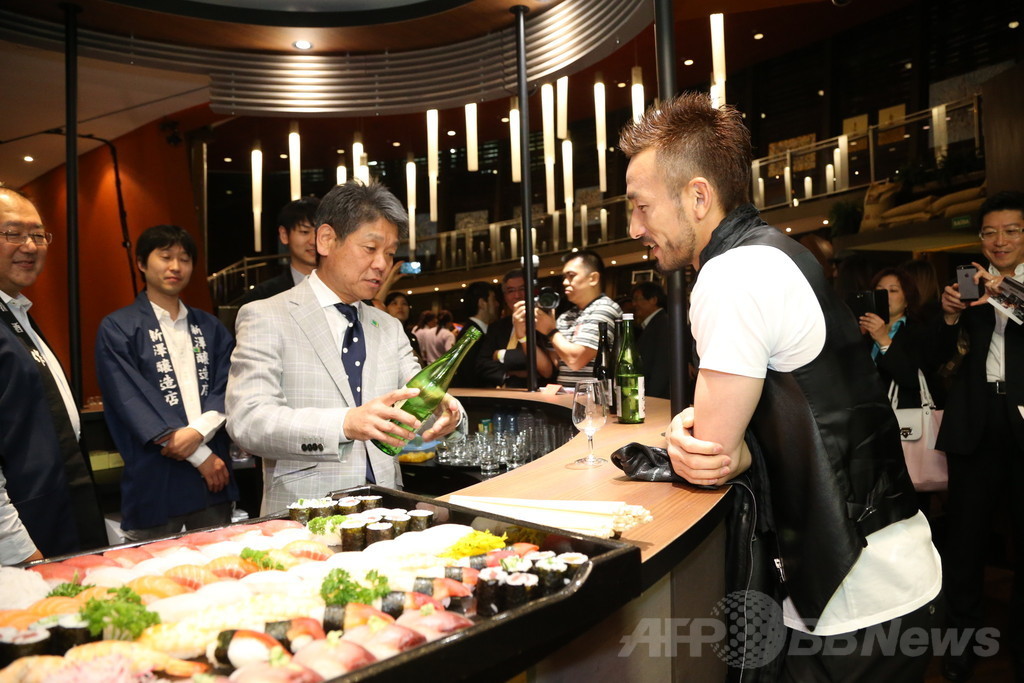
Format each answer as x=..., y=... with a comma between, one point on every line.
x=527, y=194
x=680, y=394
x=71, y=152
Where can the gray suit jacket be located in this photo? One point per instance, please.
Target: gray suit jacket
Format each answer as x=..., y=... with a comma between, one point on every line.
x=288, y=394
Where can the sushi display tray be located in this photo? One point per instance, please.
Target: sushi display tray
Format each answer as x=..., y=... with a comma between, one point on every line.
x=501, y=646
x=496, y=648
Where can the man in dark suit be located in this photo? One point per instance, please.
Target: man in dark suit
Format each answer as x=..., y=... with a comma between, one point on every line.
x=502, y=358
x=481, y=307
x=296, y=231
x=47, y=502
x=649, y=308
x=983, y=435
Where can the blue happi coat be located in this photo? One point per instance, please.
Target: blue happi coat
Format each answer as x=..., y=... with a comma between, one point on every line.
x=141, y=402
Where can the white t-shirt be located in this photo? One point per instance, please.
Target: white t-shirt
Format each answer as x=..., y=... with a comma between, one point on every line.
x=752, y=310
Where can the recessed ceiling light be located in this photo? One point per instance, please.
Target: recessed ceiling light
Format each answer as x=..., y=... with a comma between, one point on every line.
x=228, y=160
x=462, y=301
x=758, y=36
x=340, y=151
x=408, y=291
x=28, y=158
x=504, y=119
x=614, y=262
x=687, y=62
x=1014, y=24
x=229, y=192
x=575, y=249
x=551, y=272
x=824, y=221
x=396, y=143
x=371, y=163
x=908, y=66
x=789, y=229
x=451, y=133
x=620, y=84
x=644, y=257
x=284, y=156
x=821, y=93
x=302, y=45
x=437, y=289
x=763, y=115
x=452, y=150
x=495, y=281
x=463, y=284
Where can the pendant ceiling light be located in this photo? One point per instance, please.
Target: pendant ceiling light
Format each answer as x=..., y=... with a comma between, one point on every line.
x=514, y=142
x=601, y=130
x=295, y=161
x=637, y=93
x=562, y=85
x=547, y=111
x=257, y=197
x=472, y=159
x=432, y=160
x=410, y=195
x=567, y=187
x=718, y=60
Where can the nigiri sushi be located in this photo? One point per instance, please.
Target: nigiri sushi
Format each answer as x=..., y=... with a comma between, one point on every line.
x=384, y=639
x=432, y=623
x=333, y=656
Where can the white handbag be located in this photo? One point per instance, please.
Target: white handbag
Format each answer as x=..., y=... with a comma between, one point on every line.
x=918, y=429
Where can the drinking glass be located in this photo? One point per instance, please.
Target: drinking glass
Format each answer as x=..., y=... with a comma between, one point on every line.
x=589, y=414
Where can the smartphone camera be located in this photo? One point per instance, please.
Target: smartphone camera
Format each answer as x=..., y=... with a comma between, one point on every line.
x=410, y=268
x=873, y=301
x=548, y=298
x=969, y=289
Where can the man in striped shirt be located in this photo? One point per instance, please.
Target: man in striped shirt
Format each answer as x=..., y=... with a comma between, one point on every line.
x=574, y=335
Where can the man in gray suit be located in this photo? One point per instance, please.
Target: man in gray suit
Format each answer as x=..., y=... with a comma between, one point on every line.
x=316, y=371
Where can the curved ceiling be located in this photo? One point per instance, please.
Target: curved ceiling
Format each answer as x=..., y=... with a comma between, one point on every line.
x=139, y=63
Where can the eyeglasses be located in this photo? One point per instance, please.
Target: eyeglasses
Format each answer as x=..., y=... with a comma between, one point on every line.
x=1010, y=232
x=39, y=238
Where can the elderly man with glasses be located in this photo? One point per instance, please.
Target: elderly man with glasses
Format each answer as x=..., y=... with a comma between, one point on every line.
x=47, y=502
x=983, y=435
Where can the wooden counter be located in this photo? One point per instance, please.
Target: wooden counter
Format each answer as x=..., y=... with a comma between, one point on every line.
x=683, y=515
x=682, y=548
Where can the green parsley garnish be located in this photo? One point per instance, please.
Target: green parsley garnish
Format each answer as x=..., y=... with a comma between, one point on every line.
x=339, y=588
x=261, y=559
x=123, y=614
x=67, y=590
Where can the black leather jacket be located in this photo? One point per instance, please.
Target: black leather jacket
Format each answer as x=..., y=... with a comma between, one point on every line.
x=833, y=463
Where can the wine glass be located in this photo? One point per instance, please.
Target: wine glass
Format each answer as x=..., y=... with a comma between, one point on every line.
x=589, y=414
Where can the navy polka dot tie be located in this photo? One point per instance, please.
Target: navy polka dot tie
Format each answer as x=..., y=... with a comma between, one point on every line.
x=353, y=356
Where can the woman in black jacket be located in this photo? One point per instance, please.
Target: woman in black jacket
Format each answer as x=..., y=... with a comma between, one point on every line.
x=898, y=344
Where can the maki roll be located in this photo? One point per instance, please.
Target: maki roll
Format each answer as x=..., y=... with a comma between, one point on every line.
x=420, y=520
x=347, y=506
x=513, y=564
x=537, y=555
x=379, y=531
x=353, y=535
x=398, y=520
x=15, y=644
x=321, y=507
x=299, y=511
x=369, y=502
x=478, y=561
x=69, y=631
x=520, y=588
x=552, y=573
x=489, y=587
x=575, y=561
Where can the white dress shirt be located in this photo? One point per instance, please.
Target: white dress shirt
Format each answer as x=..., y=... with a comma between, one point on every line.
x=182, y=355
x=995, y=364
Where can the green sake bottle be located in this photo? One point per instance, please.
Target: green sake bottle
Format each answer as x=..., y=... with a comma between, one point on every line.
x=629, y=375
x=433, y=381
